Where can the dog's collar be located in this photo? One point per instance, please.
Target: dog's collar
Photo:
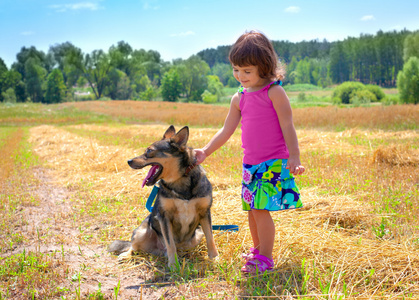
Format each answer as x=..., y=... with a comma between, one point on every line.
x=188, y=169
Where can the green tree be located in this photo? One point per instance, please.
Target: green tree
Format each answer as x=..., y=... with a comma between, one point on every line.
x=12, y=79
x=140, y=82
x=171, y=86
x=338, y=66
x=193, y=75
x=56, y=88
x=142, y=87
x=303, y=72
x=215, y=86
x=408, y=81
x=9, y=96
x=232, y=82
x=121, y=57
x=223, y=71
x=35, y=79
x=95, y=67
x=323, y=74
x=30, y=53
x=3, y=72
x=291, y=73
x=20, y=91
x=411, y=46
x=59, y=54
x=147, y=63
x=118, y=87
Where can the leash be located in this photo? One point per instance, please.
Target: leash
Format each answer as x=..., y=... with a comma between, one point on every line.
x=152, y=198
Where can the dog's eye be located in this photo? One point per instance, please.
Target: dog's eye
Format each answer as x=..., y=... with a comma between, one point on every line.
x=148, y=151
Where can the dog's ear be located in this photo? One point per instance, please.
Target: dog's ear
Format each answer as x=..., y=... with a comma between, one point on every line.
x=181, y=138
x=169, y=132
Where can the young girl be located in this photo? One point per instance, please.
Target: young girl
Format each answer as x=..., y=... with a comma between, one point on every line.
x=269, y=140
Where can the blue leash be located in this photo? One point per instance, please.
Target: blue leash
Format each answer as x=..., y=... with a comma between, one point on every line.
x=152, y=198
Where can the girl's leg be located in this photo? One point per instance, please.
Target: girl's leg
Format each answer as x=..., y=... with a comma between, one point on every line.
x=253, y=230
x=263, y=228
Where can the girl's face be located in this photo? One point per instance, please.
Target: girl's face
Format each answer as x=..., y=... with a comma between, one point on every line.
x=248, y=76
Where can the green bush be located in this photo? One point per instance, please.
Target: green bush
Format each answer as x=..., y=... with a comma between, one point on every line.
x=149, y=94
x=344, y=91
x=232, y=82
x=302, y=97
x=208, y=98
x=9, y=96
x=362, y=97
x=377, y=91
x=390, y=100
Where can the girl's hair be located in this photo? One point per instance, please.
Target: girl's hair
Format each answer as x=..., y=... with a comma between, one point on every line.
x=253, y=48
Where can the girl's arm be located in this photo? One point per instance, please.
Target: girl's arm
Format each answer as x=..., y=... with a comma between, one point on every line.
x=283, y=109
x=222, y=136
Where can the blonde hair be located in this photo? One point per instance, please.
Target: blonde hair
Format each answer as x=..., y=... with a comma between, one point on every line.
x=253, y=48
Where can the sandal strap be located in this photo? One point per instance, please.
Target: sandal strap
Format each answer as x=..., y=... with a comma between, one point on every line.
x=254, y=250
x=260, y=261
x=264, y=259
x=250, y=254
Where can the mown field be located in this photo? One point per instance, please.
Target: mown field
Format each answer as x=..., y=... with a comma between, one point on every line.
x=67, y=192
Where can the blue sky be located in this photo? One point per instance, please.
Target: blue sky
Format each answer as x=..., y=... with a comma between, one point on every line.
x=181, y=28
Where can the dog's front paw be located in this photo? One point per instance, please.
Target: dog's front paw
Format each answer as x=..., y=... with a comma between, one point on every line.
x=213, y=255
x=125, y=255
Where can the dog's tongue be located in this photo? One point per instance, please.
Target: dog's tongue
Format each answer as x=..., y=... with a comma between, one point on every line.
x=150, y=174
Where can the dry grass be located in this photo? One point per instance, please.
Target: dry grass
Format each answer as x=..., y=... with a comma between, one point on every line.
x=8, y=150
x=394, y=117
x=355, y=237
x=163, y=112
x=328, y=247
x=331, y=117
x=397, y=155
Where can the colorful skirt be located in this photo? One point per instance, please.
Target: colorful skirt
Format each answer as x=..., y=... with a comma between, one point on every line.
x=269, y=186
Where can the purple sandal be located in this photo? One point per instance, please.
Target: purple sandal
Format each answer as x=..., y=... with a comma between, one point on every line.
x=258, y=264
x=251, y=254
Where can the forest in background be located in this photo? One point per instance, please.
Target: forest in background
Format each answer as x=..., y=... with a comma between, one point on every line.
x=65, y=73
x=370, y=59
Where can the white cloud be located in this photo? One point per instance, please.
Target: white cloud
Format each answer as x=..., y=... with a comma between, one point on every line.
x=183, y=34
x=368, y=18
x=293, y=9
x=76, y=6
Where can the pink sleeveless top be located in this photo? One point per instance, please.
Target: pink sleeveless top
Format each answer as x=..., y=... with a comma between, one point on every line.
x=262, y=137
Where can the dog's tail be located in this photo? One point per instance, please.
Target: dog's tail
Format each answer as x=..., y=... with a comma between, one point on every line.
x=117, y=247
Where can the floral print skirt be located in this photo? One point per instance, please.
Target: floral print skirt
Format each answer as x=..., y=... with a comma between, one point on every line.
x=269, y=186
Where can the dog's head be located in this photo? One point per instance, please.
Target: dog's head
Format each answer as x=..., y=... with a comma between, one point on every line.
x=168, y=157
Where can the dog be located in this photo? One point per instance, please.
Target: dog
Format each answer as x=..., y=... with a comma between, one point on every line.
x=182, y=210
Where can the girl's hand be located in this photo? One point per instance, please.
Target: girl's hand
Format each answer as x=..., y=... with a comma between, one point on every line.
x=295, y=167
x=200, y=156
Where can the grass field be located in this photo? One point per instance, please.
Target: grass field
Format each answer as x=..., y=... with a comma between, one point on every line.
x=66, y=192
x=308, y=95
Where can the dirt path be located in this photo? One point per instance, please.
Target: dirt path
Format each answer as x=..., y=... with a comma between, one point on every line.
x=51, y=229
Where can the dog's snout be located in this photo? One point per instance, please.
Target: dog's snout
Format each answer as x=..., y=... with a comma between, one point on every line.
x=130, y=161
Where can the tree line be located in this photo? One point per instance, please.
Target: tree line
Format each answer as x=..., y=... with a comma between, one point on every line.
x=120, y=73
x=369, y=59
x=126, y=73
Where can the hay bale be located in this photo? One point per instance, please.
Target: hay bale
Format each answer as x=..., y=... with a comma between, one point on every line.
x=397, y=155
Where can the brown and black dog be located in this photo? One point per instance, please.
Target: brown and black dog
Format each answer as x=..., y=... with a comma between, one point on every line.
x=181, y=213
